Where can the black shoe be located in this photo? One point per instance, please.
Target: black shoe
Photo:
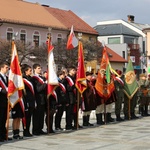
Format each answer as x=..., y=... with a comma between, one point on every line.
x=134, y=117
x=85, y=124
x=9, y=139
x=36, y=133
x=58, y=129
x=27, y=134
x=51, y=131
x=89, y=124
x=17, y=137
x=42, y=132
x=80, y=127
x=2, y=140
x=119, y=119
x=69, y=129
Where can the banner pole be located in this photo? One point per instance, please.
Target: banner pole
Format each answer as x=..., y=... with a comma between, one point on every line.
x=129, y=108
x=78, y=99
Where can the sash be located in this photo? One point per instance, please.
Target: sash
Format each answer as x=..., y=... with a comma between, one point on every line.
x=70, y=81
x=29, y=85
x=2, y=84
x=62, y=87
x=55, y=95
x=39, y=79
x=119, y=80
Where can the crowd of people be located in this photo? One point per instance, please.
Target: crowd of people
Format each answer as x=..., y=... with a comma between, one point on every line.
x=40, y=110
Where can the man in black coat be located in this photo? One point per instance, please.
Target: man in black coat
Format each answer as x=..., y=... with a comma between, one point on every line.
x=3, y=99
x=40, y=87
x=28, y=97
x=71, y=91
x=63, y=100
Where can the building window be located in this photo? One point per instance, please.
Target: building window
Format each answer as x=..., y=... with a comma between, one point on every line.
x=59, y=38
x=114, y=40
x=9, y=34
x=23, y=36
x=36, y=38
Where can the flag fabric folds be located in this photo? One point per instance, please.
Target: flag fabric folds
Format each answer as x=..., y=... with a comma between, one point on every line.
x=130, y=83
x=72, y=40
x=15, y=83
x=104, y=83
x=52, y=77
x=81, y=77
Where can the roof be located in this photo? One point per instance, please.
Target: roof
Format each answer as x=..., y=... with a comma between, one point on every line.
x=68, y=18
x=18, y=11
x=125, y=27
x=114, y=57
x=114, y=29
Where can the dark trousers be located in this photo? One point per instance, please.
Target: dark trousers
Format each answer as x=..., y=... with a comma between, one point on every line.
x=50, y=119
x=3, y=117
x=69, y=116
x=28, y=116
x=58, y=116
x=38, y=118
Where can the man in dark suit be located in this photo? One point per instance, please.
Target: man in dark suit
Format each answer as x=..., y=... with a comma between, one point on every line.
x=3, y=99
x=40, y=87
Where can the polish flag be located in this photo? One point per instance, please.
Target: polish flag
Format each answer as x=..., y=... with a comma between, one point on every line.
x=72, y=40
x=15, y=80
x=52, y=76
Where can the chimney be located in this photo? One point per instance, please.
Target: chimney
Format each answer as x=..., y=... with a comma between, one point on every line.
x=130, y=18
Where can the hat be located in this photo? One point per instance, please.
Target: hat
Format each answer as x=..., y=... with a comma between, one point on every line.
x=88, y=73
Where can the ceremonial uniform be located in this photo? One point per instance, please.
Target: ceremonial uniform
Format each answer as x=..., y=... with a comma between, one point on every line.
x=89, y=97
x=71, y=112
x=29, y=102
x=63, y=102
x=52, y=102
x=144, y=95
x=40, y=88
x=3, y=106
x=119, y=85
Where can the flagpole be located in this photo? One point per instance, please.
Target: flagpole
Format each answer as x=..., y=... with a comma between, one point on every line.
x=78, y=93
x=48, y=97
x=8, y=106
x=128, y=50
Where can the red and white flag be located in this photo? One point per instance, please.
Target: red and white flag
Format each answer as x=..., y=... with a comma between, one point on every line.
x=52, y=77
x=15, y=80
x=72, y=40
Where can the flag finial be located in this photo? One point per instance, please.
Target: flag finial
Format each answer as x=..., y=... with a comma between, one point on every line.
x=14, y=36
x=79, y=36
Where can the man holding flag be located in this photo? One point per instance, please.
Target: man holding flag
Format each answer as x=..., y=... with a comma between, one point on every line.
x=130, y=90
x=15, y=87
x=105, y=85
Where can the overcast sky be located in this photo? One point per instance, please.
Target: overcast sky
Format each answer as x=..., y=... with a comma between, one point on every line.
x=92, y=11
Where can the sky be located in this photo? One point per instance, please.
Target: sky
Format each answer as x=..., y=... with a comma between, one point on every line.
x=93, y=11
